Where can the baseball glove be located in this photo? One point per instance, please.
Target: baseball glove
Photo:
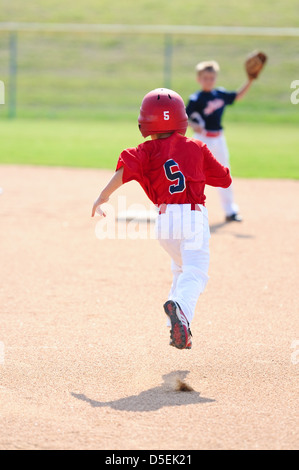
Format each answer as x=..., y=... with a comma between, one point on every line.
x=254, y=64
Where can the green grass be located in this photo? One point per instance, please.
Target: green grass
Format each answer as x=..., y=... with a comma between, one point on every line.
x=88, y=77
x=66, y=143
x=230, y=12
x=104, y=76
x=78, y=95
x=262, y=151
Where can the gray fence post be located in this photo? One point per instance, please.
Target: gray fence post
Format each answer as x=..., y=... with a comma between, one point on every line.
x=168, y=52
x=12, y=95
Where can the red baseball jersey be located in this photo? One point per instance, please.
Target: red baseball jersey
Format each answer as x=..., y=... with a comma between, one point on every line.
x=174, y=170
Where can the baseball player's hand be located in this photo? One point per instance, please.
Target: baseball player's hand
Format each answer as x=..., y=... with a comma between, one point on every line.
x=254, y=64
x=115, y=182
x=197, y=123
x=97, y=205
x=197, y=128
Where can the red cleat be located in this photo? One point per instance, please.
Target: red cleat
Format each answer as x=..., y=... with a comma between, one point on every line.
x=189, y=345
x=180, y=333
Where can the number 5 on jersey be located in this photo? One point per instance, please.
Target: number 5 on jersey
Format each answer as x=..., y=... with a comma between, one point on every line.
x=173, y=173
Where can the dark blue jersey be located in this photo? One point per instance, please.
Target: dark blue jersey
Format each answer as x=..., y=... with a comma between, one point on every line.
x=209, y=106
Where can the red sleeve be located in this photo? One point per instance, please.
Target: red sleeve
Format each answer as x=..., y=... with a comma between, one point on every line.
x=133, y=161
x=216, y=174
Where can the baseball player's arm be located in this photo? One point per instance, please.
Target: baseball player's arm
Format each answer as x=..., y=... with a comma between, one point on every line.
x=244, y=89
x=216, y=174
x=115, y=182
x=195, y=120
x=195, y=126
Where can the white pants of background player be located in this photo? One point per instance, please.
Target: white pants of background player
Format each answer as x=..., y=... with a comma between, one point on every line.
x=219, y=149
x=185, y=235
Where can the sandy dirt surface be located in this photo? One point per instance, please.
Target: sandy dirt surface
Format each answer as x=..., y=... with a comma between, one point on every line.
x=85, y=357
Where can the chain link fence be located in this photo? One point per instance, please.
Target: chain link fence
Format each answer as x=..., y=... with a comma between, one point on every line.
x=82, y=74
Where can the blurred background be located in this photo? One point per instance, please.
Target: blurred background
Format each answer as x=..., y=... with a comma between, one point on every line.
x=72, y=94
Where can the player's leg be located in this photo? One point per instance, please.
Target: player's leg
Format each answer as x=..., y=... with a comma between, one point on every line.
x=226, y=194
x=180, y=334
x=173, y=248
x=191, y=282
x=169, y=232
x=170, y=240
x=218, y=147
x=193, y=279
x=176, y=272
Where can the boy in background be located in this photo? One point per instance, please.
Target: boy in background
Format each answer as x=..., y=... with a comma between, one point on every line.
x=205, y=111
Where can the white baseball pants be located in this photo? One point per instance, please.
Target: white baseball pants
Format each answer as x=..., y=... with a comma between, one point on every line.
x=219, y=149
x=185, y=235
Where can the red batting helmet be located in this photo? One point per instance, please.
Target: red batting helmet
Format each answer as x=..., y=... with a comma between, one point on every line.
x=162, y=111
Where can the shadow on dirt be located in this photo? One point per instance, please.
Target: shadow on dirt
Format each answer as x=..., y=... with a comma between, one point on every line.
x=153, y=399
x=217, y=227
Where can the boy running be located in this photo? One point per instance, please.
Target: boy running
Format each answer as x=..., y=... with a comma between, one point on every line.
x=173, y=171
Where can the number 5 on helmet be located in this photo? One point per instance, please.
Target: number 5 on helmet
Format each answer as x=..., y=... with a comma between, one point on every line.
x=162, y=111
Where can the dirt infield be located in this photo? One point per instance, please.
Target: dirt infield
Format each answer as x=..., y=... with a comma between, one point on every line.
x=85, y=355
